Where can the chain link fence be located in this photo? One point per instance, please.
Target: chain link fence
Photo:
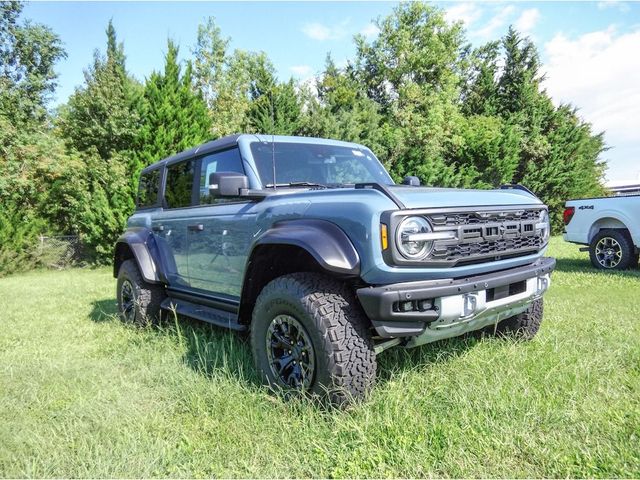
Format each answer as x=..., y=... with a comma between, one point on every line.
x=60, y=251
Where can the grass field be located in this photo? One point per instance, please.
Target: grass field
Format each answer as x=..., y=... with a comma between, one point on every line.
x=82, y=395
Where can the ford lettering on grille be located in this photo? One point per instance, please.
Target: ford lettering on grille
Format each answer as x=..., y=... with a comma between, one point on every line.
x=495, y=231
x=485, y=236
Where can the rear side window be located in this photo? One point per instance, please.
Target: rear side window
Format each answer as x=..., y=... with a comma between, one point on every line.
x=226, y=161
x=148, y=189
x=179, y=184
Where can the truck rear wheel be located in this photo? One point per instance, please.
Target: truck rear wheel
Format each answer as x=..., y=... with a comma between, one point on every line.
x=309, y=334
x=525, y=325
x=612, y=250
x=138, y=301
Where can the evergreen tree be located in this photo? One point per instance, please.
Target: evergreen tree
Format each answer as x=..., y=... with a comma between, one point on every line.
x=557, y=154
x=341, y=109
x=518, y=88
x=174, y=116
x=480, y=87
x=103, y=114
x=274, y=107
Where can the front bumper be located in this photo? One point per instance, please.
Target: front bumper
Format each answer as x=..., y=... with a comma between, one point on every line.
x=432, y=310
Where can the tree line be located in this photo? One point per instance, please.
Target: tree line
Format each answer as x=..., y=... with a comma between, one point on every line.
x=425, y=101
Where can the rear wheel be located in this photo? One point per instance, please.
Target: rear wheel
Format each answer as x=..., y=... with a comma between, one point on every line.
x=612, y=250
x=138, y=301
x=308, y=334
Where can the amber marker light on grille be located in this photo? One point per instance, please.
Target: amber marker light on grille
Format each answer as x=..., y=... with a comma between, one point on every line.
x=383, y=236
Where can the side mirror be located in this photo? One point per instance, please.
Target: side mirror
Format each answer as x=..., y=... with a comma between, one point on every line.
x=411, y=180
x=227, y=184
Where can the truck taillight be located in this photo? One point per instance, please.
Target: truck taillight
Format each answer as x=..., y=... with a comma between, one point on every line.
x=568, y=214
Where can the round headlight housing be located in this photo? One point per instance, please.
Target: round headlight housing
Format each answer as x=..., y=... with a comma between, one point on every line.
x=411, y=248
x=545, y=224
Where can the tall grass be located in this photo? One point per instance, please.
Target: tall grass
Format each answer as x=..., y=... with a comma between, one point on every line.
x=82, y=395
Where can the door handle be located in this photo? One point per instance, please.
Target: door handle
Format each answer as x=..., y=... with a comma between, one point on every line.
x=158, y=228
x=198, y=227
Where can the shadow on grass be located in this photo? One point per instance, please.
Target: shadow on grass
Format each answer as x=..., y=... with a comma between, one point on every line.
x=213, y=351
x=103, y=310
x=396, y=360
x=573, y=265
x=209, y=350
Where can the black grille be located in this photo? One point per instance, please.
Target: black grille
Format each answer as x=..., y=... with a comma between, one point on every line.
x=513, y=231
x=450, y=253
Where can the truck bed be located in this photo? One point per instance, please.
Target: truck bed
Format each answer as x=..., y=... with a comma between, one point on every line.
x=590, y=215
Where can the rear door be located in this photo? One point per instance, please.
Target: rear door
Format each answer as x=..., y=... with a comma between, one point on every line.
x=171, y=225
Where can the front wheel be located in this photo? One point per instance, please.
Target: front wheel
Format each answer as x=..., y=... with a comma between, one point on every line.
x=525, y=325
x=309, y=334
x=612, y=250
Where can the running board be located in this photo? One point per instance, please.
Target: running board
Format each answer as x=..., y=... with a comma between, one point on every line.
x=215, y=316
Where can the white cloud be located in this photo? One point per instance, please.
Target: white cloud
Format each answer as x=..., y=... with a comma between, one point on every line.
x=370, y=31
x=497, y=21
x=466, y=13
x=622, y=6
x=600, y=73
x=321, y=32
x=527, y=20
x=301, y=70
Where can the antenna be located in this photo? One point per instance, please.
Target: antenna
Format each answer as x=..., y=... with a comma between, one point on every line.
x=273, y=140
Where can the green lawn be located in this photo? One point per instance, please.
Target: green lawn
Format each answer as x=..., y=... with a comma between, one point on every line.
x=82, y=395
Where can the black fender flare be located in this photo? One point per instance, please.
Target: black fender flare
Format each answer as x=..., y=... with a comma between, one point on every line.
x=325, y=241
x=140, y=241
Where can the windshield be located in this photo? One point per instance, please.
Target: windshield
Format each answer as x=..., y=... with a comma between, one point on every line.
x=316, y=164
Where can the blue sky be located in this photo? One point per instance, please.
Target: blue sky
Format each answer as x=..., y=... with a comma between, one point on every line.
x=589, y=49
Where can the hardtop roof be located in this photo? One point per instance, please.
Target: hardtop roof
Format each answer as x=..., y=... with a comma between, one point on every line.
x=232, y=140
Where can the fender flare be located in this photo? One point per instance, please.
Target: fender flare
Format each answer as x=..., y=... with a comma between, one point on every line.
x=140, y=241
x=618, y=216
x=325, y=241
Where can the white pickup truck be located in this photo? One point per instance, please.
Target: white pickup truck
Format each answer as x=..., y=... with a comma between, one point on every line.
x=610, y=226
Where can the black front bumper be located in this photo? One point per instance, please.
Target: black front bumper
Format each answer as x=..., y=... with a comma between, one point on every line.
x=380, y=303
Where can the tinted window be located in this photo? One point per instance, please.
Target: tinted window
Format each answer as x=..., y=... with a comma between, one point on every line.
x=317, y=163
x=148, y=188
x=226, y=161
x=179, y=184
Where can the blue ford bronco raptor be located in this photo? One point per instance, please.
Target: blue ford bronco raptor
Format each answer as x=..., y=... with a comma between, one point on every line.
x=308, y=245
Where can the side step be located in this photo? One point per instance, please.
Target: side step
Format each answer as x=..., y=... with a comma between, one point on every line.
x=215, y=316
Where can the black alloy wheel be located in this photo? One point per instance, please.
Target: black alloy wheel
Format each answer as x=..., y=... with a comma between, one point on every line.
x=127, y=301
x=290, y=353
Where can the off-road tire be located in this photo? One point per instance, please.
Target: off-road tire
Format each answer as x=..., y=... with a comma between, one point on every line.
x=345, y=360
x=627, y=250
x=147, y=297
x=525, y=325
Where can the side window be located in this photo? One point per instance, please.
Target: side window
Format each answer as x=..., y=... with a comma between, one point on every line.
x=148, y=189
x=179, y=184
x=225, y=161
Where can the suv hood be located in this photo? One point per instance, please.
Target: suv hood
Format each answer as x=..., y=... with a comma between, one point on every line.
x=427, y=197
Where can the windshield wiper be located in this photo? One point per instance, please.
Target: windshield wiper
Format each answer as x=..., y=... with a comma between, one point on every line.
x=296, y=184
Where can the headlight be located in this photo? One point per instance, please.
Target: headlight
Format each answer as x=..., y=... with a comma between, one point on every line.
x=408, y=239
x=544, y=225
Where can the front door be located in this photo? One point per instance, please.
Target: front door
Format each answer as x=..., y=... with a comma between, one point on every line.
x=221, y=232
